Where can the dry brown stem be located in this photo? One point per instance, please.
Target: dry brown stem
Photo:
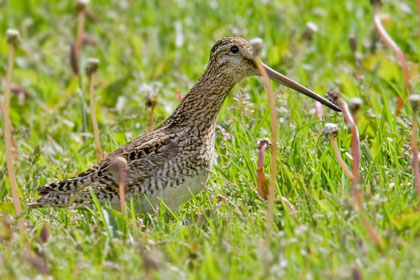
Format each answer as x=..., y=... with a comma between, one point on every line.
x=274, y=125
x=400, y=55
x=119, y=166
x=415, y=104
x=335, y=96
x=262, y=185
x=340, y=159
x=91, y=67
x=151, y=103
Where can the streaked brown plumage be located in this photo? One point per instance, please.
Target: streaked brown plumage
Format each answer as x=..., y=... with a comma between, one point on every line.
x=172, y=162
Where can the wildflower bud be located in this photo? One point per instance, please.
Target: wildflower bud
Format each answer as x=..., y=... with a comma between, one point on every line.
x=355, y=104
x=257, y=45
x=353, y=43
x=73, y=60
x=330, y=129
x=151, y=102
x=119, y=162
x=333, y=94
x=376, y=2
x=310, y=30
x=44, y=234
x=152, y=260
x=118, y=166
x=179, y=96
x=5, y=227
x=81, y=5
x=92, y=66
x=414, y=101
x=263, y=141
x=13, y=37
x=385, y=19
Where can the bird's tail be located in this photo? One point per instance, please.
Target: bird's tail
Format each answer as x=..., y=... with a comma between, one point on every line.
x=54, y=199
x=65, y=192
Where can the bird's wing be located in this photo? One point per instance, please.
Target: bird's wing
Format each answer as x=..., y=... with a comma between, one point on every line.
x=142, y=161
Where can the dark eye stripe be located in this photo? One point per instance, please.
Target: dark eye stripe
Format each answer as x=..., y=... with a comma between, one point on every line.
x=234, y=49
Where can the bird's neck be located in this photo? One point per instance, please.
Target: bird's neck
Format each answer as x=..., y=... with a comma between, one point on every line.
x=201, y=106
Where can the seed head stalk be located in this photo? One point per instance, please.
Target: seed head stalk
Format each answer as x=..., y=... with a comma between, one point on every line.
x=340, y=159
x=418, y=13
x=400, y=55
x=151, y=113
x=179, y=96
x=415, y=151
x=355, y=141
x=273, y=169
x=76, y=48
x=81, y=7
x=91, y=68
x=12, y=38
x=335, y=96
x=151, y=103
x=262, y=186
x=415, y=104
x=119, y=165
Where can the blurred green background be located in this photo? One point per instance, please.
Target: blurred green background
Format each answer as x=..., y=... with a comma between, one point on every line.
x=159, y=48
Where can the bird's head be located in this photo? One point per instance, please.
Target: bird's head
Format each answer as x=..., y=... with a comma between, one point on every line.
x=234, y=58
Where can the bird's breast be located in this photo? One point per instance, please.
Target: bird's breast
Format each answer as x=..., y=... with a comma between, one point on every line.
x=177, y=177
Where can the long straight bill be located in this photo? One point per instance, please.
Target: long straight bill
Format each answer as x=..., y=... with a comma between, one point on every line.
x=276, y=76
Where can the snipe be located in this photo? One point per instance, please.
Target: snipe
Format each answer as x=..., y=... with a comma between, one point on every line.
x=173, y=161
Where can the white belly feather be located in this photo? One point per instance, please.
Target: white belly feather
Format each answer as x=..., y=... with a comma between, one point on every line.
x=171, y=196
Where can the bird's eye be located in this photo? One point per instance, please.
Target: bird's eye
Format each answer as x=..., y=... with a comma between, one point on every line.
x=234, y=49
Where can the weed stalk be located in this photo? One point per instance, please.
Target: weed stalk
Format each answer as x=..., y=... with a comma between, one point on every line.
x=13, y=41
x=119, y=165
x=91, y=68
x=418, y=13
x=81, y=9
x=258, y=46
x=415, y=104
x=179, y=96
x=262, y=185
x=336, y=97
x=151, y=103
x=331, y=130
x=394, y=47
x=77, y=46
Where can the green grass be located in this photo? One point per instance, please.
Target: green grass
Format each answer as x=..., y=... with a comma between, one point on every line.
x=219, y=234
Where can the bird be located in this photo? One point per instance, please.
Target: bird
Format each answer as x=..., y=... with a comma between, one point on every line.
x=171, y=163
